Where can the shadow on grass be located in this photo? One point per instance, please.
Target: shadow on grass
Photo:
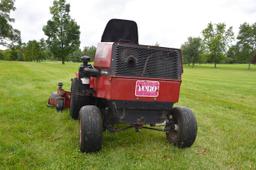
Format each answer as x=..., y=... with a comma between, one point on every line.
x=130, y=138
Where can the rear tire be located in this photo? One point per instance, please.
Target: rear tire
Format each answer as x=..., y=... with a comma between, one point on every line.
x=78, y=98
x=183, y=134
x=91, y=128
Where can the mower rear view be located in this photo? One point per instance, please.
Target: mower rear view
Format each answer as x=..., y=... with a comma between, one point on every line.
x=132, y=84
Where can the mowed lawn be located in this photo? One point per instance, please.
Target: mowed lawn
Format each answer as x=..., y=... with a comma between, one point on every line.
x=33, y=136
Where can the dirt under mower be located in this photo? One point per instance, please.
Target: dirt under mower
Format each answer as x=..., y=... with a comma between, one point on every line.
x=129, y=83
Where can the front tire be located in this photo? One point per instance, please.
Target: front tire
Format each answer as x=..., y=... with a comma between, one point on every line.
x=184, y=131
x=78, y=98
x=91, y=128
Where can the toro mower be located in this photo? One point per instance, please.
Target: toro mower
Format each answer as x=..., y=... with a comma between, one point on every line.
x=132, y=84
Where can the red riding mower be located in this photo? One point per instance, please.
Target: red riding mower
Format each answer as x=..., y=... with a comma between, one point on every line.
x=132, y=84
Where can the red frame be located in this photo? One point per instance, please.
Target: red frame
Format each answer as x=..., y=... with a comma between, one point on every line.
x=122, y=88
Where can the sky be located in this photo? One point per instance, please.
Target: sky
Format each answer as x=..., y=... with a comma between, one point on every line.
x=167, y=22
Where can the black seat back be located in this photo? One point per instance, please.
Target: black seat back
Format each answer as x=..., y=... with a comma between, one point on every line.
x=118, y=30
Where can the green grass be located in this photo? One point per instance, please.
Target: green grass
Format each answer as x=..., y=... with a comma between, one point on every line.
x=33, y=136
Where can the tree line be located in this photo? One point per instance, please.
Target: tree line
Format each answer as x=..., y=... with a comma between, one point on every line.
x=218, y=44
x=39, y=51
x=62, y=32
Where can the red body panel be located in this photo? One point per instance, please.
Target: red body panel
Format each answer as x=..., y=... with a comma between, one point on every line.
x=123, y=88
x=103, y=55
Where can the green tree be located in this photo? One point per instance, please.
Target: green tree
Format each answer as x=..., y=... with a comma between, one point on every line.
x=217, y=40
x=247, y=42
x=5, y=54
x=191, y=50
x=33, y=51
x=12, y=53
x=1, y=55
x=90, y=51
x=7, y=33
x=76, y=56
x=233, y=55
x=254, y=59
x=45, y=52
x=62, y=31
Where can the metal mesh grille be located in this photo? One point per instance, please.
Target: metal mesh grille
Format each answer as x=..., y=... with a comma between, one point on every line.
x=146, y=61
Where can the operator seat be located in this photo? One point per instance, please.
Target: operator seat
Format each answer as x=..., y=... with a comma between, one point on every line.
x=118, y=30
